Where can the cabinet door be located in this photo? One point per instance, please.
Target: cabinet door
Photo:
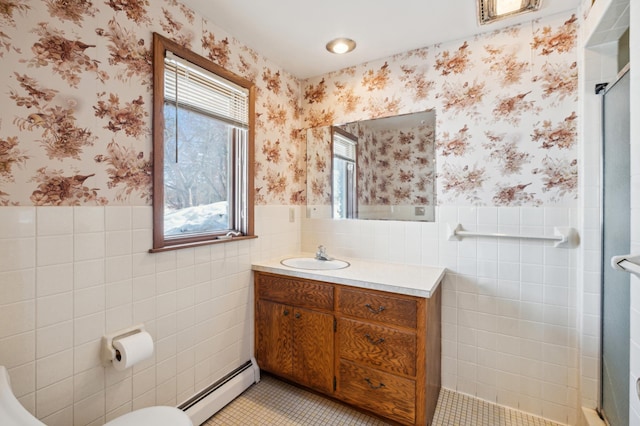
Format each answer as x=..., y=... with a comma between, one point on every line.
x=313, y=349
x=274, y=332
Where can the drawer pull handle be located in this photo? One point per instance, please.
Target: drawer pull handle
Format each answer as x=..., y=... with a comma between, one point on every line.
x=297, y=314
x=371, y=385
x=286, y=312
x=375, y=311
x=374, y=342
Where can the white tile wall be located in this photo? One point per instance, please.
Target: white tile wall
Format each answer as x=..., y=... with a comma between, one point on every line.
x=509, y=313
x=69, y=275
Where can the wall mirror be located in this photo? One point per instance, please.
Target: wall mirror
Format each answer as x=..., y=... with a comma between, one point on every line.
x=380, y=169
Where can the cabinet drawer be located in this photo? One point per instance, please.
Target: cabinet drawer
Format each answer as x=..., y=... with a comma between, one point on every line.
x=378, y=307
x=308, y=294
x=377, y=346
x=382, y=393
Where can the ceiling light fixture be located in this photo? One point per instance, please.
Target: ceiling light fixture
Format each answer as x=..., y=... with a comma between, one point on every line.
x=341, y=45
x=494, y=10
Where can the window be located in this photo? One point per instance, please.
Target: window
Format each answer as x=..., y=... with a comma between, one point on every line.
x=344, y=175
x=203, y=150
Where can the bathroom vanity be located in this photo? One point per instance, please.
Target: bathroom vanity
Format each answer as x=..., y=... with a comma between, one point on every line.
x=368, y=335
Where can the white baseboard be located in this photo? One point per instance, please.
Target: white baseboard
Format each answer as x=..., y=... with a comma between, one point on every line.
x=204, y=405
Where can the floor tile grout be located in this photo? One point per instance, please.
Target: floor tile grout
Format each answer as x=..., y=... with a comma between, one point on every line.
x=273, y=402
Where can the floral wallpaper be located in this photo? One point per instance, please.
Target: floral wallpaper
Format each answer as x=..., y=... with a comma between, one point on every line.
x=75, y=105
x=506, y=108
x=319, y=158
x=75, y=102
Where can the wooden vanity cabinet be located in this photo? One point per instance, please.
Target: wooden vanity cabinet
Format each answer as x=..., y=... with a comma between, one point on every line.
x=376, y=350
x=295, y=330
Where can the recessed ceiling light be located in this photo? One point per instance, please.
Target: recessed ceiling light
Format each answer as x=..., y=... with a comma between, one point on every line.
x=493, y=10
x=341, y=45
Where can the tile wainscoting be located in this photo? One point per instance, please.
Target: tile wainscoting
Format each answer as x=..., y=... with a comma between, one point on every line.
x=509, y=306
x=68, y=275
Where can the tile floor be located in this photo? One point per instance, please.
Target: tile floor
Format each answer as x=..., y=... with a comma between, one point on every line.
x=273, y=402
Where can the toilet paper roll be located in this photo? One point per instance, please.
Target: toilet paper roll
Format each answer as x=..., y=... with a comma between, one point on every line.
x=132, y=349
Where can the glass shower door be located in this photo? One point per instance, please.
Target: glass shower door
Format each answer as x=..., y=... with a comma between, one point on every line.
x=615, y=241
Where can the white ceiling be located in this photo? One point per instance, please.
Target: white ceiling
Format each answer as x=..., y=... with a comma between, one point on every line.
x=293, y=33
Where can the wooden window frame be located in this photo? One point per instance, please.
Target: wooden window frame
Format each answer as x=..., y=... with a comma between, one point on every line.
x=160, y=243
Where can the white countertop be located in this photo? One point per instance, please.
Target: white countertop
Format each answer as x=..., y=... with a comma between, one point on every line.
x=411, y=280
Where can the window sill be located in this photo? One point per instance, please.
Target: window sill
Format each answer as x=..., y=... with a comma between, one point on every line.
x=201, y=243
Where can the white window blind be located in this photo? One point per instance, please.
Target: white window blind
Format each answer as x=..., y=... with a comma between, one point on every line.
x=193, y=87
x=344, y=147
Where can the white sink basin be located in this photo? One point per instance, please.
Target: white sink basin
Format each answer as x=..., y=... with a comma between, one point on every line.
x=315, y=264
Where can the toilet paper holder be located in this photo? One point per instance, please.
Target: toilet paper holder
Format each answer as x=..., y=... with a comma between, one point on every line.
x=108, y=353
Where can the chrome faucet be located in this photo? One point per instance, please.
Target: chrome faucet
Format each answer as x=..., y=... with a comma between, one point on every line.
x=321, y=254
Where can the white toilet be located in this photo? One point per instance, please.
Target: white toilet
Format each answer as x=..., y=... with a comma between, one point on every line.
x=12, y=413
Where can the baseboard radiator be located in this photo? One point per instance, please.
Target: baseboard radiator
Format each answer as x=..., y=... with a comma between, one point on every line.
x=211, y=400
